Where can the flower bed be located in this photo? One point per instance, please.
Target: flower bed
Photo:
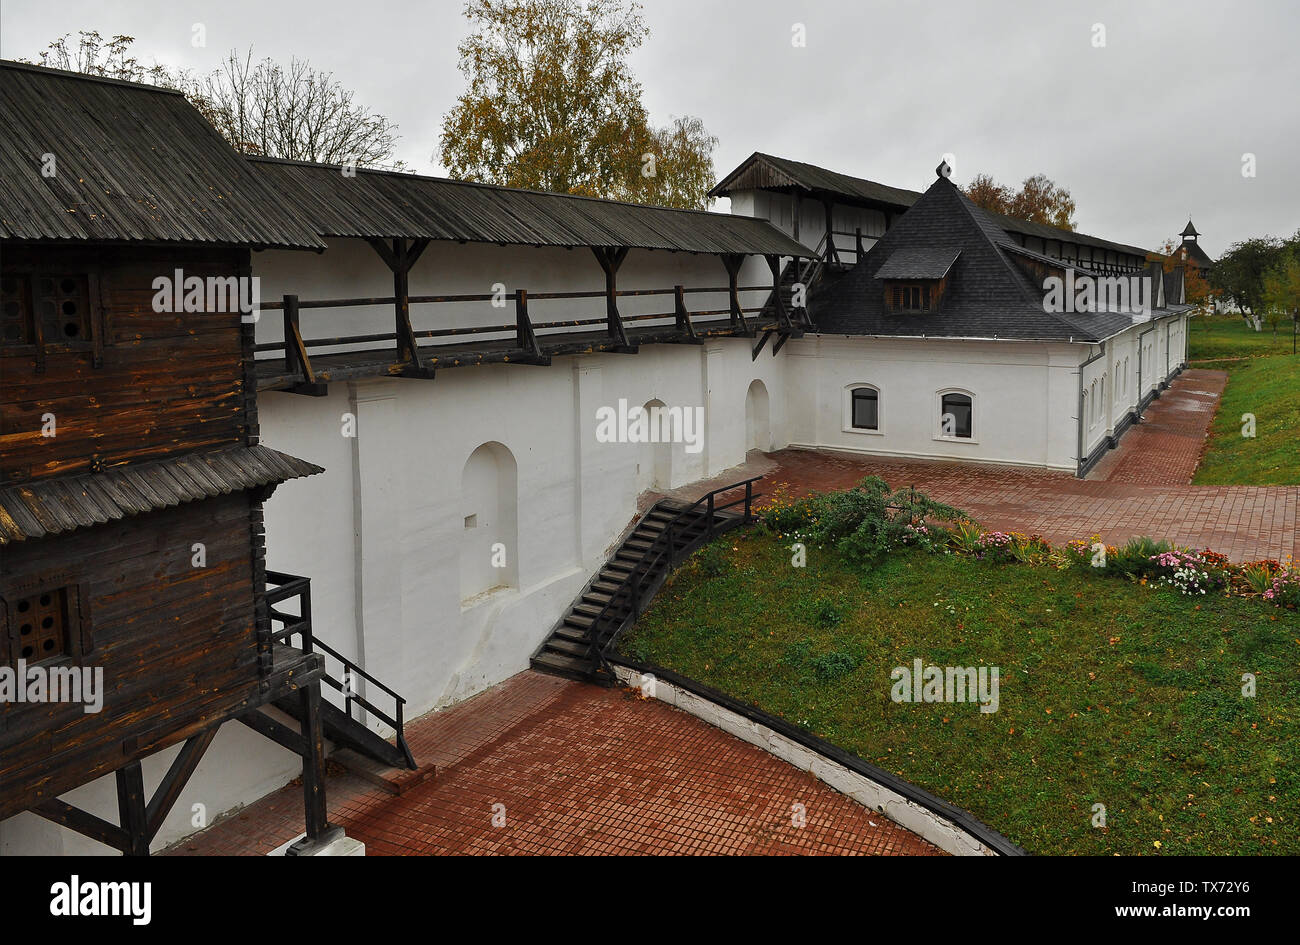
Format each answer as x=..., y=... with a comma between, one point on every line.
x=866, y=522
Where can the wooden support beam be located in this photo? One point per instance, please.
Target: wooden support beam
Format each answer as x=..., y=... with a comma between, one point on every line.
x=774, y=263
x=782, y=338
x=275, y=730
x=732, y=262
x=131, y=808
x=610, y=259
x=858, y=251
x=313, y=762
x=683, y=315
x=88, y=825
x=178, y=775
x=762, y=340
x=525, y=337
x=832, y=252
x=295, y=351
x=399, y=258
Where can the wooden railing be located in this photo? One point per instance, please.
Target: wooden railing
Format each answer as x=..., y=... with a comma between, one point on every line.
x=625, y=605
x=281, y=587
x=525, y=334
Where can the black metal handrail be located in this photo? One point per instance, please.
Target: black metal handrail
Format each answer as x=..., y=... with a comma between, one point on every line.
x=281, y=587
x=608, y=624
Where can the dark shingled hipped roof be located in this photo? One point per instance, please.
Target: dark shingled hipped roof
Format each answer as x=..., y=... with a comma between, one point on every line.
x=1195, y=255
x=132, y=163
x=54, y=506
x=916, y=262
x=987, y=295
x=389, y=204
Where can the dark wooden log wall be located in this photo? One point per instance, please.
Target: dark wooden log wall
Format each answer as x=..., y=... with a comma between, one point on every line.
x=177, y=643
x=168, y=382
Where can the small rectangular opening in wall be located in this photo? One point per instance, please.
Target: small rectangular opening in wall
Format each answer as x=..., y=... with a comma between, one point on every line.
x=471, y=521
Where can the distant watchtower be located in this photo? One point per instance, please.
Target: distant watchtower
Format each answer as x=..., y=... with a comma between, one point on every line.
x=1191, y=253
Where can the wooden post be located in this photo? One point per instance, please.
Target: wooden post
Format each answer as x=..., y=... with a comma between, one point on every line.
x=407, y=349
x=857, y=234
x=131, y=809
x=295, y=351
x=610, y=258
x=525, y=337
x=733, y=262
x=832, y=254
x=683, y=316
x=400, y=258
x=313, y=762
x=774, y=263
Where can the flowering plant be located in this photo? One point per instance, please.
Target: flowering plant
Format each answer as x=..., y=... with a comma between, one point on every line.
x=1189, y=572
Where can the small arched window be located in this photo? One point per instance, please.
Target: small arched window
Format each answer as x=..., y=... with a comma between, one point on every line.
x=866, y=408
x=956, y=415
x=863, y=409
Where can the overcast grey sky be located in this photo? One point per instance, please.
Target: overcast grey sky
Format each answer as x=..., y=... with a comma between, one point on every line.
x=1143, y=131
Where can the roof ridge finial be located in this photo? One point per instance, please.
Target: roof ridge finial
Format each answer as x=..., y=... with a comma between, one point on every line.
x=943, y=170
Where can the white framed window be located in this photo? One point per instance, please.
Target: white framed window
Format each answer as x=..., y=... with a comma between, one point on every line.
x=956, y=416
x=863, y=409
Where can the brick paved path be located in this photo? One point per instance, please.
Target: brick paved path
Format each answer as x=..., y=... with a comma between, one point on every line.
x=1165, y=448
x=580, y=770
x=1140, y=488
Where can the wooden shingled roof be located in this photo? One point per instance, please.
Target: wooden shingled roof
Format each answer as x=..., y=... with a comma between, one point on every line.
x=768, y=172
x=64, y=503
x=137, y=163
x=130, y=162
x=378, y=204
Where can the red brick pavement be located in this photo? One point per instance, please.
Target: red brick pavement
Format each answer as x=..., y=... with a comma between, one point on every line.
x=1166, y=447
x=580, y=770
x=1140, y=488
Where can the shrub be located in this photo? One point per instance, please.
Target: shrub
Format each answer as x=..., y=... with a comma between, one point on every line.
x=863, y=523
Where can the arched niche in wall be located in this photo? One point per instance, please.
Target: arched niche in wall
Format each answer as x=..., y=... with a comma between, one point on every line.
x=489, y=550
x=758, y=422
x=654, y=467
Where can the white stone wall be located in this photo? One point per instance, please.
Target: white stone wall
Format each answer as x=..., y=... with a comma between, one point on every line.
x=1023, y=397
x=350, y=268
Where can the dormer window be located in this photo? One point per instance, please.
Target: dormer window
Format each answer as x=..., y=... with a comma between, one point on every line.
x=915, y=278
x=911, y=296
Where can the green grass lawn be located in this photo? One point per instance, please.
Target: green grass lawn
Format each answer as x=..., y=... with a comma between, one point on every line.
x=1110, y=692
x=1263, y=380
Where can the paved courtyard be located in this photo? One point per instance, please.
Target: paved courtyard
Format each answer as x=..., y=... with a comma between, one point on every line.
x=579, y=770
x=1139, y=488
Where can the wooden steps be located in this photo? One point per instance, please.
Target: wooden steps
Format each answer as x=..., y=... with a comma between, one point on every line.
x=607, y=598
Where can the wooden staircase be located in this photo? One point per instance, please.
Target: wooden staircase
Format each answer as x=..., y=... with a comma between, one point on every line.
x=291, y=633
x=616, y=596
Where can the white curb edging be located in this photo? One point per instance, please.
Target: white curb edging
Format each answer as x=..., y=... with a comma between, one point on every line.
x=940, y=831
